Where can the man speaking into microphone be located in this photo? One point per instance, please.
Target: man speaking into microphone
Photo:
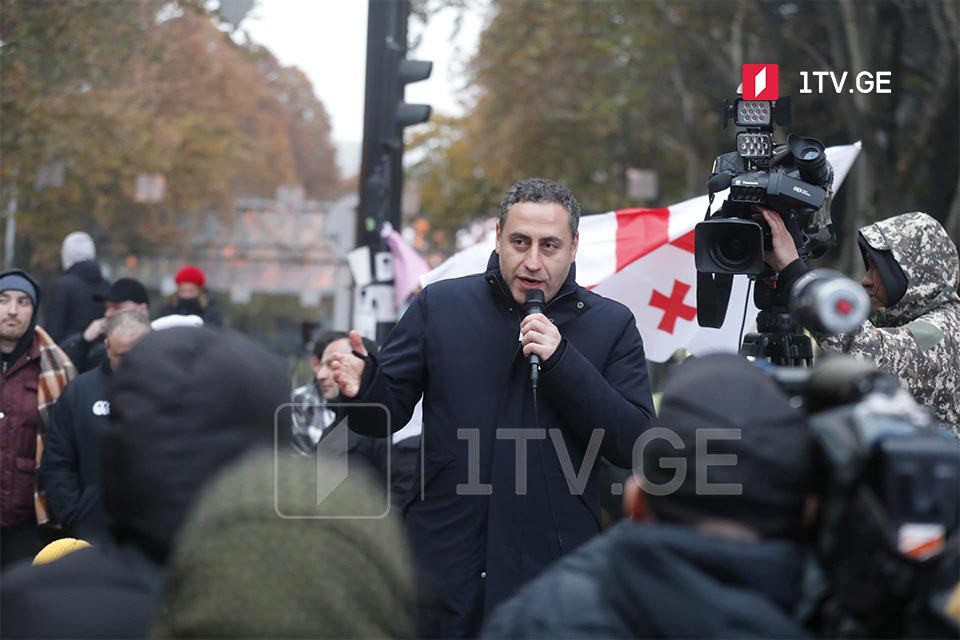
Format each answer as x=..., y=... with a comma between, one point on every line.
x=506, y=477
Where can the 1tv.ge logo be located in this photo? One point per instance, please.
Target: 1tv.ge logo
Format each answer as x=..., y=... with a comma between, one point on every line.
x=762, y=82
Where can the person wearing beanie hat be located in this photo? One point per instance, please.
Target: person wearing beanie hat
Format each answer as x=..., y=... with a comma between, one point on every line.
x=70, y=306
x=260, y=558
x=913, y=279
x=58, y=549
x=33, y=372
x=714, y=547
x=191, y=299
x=77, y=247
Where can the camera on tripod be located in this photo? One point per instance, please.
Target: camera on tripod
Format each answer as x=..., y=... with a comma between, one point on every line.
x=793, y=179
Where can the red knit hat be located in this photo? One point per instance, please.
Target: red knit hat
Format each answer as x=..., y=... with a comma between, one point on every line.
x=190, y=274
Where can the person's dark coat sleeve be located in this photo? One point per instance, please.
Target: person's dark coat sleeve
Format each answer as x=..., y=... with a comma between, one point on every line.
x=78, y=350
x=57, y=308
x=617, y=399
x=394, y=378
x=59, y=470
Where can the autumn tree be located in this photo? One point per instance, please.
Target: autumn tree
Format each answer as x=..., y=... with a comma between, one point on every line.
x=112, y=90
x=581, y=91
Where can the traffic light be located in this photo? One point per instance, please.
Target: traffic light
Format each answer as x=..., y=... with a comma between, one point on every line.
x=408, y=72
x=387, y=114
x=404, y=115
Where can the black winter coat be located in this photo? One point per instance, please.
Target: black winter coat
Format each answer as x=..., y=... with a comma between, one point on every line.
x=204, y=306
x=483, y=527
x=661, y=581
x=70, y=307
x=70, y=467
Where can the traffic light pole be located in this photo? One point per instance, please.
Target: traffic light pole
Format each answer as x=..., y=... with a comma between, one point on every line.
x=381, y=170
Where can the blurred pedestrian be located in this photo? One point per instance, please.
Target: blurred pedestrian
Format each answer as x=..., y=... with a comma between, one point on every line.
x=70, y=467
x=191, y=298
x=240, y=571
x=71, y=305
x=186, y=402
x=87, y=350
x=310, y=413
x=34, y=371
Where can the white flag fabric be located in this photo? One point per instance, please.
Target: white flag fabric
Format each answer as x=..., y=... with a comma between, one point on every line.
x=644, y=259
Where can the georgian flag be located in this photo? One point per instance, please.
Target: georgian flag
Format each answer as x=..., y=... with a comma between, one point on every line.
x=643, y=258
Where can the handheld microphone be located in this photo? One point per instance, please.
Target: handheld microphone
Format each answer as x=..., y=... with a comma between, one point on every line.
x=533, y=304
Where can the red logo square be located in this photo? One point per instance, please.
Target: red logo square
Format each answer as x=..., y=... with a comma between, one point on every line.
x=760, y=81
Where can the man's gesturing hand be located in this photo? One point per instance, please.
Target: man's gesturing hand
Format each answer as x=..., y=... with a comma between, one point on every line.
x=348, y=368
x=539, y=336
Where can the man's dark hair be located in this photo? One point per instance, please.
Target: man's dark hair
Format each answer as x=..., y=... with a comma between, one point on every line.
x=542, y=190
x=324, y=339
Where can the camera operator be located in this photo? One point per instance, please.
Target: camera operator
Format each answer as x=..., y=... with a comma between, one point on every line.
x=691, y=562
x=914, y=328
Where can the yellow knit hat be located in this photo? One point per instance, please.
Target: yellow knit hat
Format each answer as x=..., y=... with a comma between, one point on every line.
x=59, y=548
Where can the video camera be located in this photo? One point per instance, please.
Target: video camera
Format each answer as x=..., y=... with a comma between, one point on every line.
x=793, y=179
x=887, y=537
x=796, y=181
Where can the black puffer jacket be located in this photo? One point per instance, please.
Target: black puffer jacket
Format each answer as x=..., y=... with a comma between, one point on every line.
x=186, y=402
x=660, y=581
x=70, y=467
x=70, y=306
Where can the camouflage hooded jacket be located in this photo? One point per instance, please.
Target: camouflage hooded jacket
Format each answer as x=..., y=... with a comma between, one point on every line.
x=917, y=338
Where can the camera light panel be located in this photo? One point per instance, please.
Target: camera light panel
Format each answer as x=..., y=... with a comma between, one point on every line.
x=754, y=145
x=753, y=113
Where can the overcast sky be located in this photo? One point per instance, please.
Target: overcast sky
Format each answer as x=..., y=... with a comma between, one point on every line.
x=327, y=40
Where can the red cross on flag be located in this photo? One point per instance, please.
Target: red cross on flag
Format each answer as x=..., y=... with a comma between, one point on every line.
x=643, y=258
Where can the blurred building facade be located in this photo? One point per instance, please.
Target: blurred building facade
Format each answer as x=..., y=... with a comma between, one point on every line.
x=278, y=269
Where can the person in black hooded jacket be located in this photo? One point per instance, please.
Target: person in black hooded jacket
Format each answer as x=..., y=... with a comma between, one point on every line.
x=691, y=563
x=70, y=305
x=185, y=403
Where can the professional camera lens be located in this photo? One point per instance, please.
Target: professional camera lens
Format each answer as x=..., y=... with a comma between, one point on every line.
x=811, y=159
x=732, y=250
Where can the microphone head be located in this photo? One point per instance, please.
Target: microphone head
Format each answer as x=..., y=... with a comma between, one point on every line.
x=534, y=298
x=719, y=182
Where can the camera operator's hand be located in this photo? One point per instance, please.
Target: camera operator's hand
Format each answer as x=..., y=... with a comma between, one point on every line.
x=784, y=250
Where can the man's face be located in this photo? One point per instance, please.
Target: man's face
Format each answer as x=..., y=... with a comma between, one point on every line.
x=328, y=388
x=16, y=310
x=536, y=248
x=119, y=344
x=187, y=291
x=113, y=308
x=873, y=283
